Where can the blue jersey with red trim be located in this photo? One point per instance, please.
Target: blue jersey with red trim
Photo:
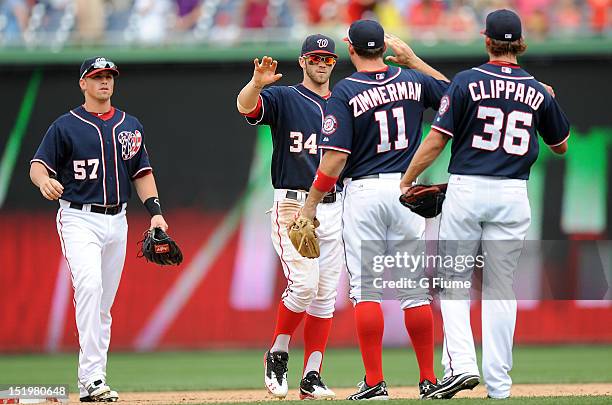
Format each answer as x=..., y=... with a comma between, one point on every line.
x=94, y=159
x=377, y=118
x=494, y=113
x=295, y=116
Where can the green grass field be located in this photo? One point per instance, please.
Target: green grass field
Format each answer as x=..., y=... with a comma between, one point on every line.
x=231, y=370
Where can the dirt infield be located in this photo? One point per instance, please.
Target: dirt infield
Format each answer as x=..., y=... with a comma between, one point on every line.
x=190, y=397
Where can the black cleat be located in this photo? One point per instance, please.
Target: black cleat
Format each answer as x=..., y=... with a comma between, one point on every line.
x=367, y=393
x=427, y=389
x=448, y=387
x=313, y=387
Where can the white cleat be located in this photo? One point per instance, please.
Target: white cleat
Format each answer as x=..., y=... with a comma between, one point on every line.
x=275, y=373
x=313, y=387
x=98, y=391
x=110, y=396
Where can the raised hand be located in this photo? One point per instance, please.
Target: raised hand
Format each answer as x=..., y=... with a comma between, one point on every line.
x=404, y=55
x=264, y=73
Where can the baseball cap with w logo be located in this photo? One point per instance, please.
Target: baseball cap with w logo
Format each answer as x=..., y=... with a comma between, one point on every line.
x=91, y=66
x=319, y=44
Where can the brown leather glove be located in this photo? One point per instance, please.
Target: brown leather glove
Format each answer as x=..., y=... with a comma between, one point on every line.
x=303, y=237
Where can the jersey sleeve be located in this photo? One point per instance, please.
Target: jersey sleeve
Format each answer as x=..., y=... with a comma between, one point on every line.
x=139, y=165
x=450, y=111
x=553, y=125
x=51, y=150
x=268, y=103
x=434, y=91
x=337, y=131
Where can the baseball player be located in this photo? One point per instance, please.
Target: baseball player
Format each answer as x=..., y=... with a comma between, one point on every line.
x=493, y=114
x=373, y=127
x=88, y=160
x=295, y=115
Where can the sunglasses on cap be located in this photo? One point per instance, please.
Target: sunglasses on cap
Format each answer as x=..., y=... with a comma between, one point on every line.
x=316, y=59
x=99, y=64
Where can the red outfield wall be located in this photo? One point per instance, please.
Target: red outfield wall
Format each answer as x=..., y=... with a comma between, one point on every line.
x=193, y=306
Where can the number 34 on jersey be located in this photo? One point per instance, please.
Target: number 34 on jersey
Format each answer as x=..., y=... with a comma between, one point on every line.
x=299, y=144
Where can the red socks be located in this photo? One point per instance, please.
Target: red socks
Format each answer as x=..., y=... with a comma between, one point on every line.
x=287, y=322
x=419, y=324
x=316, y=333
x=370, y=327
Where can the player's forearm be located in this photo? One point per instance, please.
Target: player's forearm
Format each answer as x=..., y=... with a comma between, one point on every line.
x=405, y=56
x=248, y=97
x=147, y=191
x=145, y=187
x=429, y=150
x=333, y=162
x=420, y=65
x=38, y=173
x=331, y=166
x=314, y=198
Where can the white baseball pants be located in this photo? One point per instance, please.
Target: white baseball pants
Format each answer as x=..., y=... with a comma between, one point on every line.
x=312, y=284
x=490, y=209
x=376, y=224
x=94, y=247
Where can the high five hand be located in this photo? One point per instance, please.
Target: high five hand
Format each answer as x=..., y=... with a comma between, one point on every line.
x=404, y=55
x=264, y=73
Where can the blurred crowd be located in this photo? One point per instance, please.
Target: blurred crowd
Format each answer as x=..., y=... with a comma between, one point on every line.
x=154, y=22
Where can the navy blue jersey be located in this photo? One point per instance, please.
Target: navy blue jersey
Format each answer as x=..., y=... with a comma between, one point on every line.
x=95, y=160
x=494, y=112
x=377, y=118
x=295, y=116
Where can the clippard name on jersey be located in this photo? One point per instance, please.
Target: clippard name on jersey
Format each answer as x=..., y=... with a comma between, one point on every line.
x=389, y=93
x=507, y=89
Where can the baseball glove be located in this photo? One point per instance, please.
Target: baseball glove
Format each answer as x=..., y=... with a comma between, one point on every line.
x=424, y=200
x=303, y=237
x=158, y=247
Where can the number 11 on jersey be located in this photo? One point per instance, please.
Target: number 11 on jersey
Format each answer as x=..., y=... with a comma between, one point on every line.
x=383, y=124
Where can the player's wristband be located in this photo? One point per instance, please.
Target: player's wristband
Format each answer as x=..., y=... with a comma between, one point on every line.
x=153, y=206
x=323, y=182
